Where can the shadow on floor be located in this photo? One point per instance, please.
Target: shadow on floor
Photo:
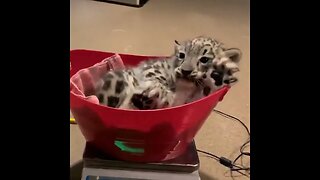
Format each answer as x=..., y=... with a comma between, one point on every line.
x=205, y=176
x=76, y=170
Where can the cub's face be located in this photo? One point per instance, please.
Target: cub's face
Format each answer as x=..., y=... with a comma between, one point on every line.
x=195, y=57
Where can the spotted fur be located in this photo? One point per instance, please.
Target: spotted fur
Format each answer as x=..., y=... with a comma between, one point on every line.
x=197, y=68
x=206, y=66
x=147, y=86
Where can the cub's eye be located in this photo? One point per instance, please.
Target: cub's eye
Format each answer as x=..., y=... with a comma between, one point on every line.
x=204, y=60
x=182, y=55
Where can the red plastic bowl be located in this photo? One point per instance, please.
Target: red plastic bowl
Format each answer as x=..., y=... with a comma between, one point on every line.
x=140, y=136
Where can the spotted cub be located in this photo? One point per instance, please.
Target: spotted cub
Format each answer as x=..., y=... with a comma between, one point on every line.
x=205, y=66
x=197, y=68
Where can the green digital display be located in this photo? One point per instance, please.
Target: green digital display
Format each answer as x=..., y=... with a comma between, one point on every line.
x=123, y=147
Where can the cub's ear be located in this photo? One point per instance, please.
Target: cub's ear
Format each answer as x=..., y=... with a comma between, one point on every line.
x=176, y=43
x=234, y=54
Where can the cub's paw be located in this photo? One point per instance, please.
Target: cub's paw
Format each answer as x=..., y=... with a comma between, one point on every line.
x=155, y=97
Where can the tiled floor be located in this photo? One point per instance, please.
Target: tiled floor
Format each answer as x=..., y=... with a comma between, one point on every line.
x=150, y=31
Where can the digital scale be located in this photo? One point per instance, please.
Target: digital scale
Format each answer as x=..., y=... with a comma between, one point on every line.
x=98, y=166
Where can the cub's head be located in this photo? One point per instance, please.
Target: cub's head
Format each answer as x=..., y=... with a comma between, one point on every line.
x=196, y=57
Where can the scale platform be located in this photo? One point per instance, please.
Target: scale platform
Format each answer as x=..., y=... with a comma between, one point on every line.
x=98, y=166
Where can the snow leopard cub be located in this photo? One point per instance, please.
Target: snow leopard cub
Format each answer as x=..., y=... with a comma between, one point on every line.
x=205, y=67
x=192, y=71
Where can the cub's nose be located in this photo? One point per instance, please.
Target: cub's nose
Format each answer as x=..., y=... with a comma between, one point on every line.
x=185, y=73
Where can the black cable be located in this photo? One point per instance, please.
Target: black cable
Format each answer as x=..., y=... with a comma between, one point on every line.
x=227, y=162
x=210, y=154
x=235, y=160
x=229, y=116
x=242, y=173
x=243, y=146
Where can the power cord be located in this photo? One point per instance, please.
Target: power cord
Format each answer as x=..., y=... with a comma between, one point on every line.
x=232, y=165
